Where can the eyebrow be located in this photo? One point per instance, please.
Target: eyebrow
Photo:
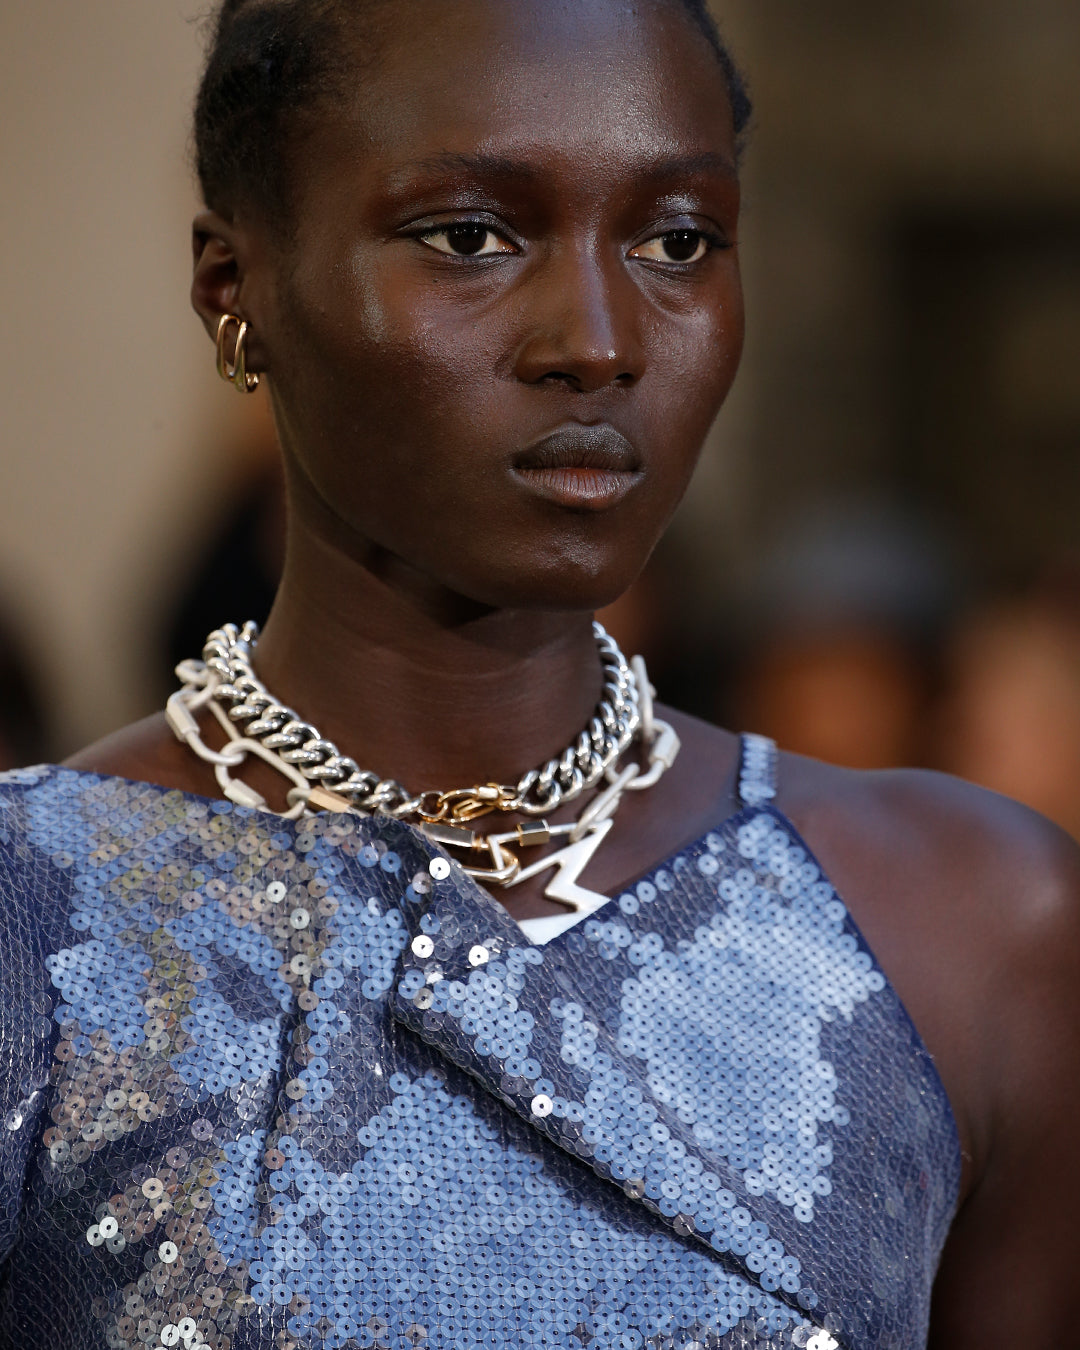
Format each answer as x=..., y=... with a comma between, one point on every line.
x=502, y=168
x=690, y=166
x=459, y=164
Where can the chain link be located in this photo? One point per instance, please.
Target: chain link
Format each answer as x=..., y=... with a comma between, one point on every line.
x=227, y=666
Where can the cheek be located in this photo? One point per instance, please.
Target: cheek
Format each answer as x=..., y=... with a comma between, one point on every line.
x=693, y=363
x=396, y=410
x=377, y=375
x=712, y=339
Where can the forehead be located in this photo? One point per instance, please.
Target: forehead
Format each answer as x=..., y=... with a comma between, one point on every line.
x=582, y=81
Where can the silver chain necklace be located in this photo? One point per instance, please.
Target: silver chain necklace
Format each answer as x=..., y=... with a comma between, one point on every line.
x=255, y=722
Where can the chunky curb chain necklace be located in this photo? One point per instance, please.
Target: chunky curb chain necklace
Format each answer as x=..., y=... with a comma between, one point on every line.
x=225, y=683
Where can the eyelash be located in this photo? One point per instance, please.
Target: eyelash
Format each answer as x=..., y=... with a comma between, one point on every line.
x=423, y=235
x=711, y=238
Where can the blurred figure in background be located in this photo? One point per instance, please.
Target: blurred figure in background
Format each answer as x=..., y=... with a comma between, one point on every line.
x=850, y=693
x=23, y=738
x=842, y=629
x=1010, y=717
x=235, y=568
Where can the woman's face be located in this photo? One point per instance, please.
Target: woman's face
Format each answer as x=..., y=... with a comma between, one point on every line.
x=511, y=306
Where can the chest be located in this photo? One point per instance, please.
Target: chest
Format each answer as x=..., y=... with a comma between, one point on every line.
x=364, y=1111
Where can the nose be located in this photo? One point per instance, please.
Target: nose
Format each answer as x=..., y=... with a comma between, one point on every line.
x=583, y=327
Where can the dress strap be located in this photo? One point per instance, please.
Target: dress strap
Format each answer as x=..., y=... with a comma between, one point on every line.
x=757, y=770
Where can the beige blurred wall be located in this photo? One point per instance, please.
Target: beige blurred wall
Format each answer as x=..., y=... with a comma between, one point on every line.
x=109, y=399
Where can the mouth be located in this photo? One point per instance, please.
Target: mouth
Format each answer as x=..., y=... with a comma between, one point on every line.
x=587, y=468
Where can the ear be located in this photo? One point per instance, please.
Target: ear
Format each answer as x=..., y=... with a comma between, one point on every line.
x=220, y=282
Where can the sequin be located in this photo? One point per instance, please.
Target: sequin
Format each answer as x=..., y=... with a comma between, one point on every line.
x=272, y=1086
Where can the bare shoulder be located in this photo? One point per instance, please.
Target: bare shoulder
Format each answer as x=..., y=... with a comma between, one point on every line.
x=972, y=904
x=971, y=854
x=146, y=751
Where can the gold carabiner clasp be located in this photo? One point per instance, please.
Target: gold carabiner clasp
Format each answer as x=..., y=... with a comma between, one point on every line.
x=461, y=805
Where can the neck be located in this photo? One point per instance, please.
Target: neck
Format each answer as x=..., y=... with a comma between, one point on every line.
x=417, y=684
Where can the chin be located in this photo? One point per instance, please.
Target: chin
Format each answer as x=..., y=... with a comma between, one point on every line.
x=580, y=583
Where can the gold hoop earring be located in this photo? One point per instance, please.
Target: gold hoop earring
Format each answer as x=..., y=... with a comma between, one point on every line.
x=235, y=372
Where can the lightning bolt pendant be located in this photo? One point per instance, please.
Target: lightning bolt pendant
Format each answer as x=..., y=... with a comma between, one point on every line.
x=571, y=862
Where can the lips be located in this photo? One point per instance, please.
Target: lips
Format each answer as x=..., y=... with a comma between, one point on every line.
x=589, y=468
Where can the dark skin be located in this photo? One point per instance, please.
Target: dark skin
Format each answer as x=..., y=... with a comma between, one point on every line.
x=434, y=615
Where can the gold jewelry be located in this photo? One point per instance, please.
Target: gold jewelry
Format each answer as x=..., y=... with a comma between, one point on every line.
x=235, y=372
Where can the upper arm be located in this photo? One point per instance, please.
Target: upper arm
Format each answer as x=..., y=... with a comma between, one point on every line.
x=1010, y=1264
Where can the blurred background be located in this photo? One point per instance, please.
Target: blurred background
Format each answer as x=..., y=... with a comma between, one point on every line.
x=879, y=562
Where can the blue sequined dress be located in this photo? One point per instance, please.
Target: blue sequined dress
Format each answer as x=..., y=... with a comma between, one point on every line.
x=269, y=1085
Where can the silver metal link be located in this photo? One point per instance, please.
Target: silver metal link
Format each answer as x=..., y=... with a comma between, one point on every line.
x=227, y=659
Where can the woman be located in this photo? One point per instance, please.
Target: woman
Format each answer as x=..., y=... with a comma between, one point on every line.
x=307, y=1082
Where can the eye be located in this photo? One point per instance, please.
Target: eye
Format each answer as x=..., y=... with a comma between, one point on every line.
x=466, y=239
x=674, y=246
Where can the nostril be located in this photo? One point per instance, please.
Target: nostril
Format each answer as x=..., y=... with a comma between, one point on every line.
x=624, y=378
